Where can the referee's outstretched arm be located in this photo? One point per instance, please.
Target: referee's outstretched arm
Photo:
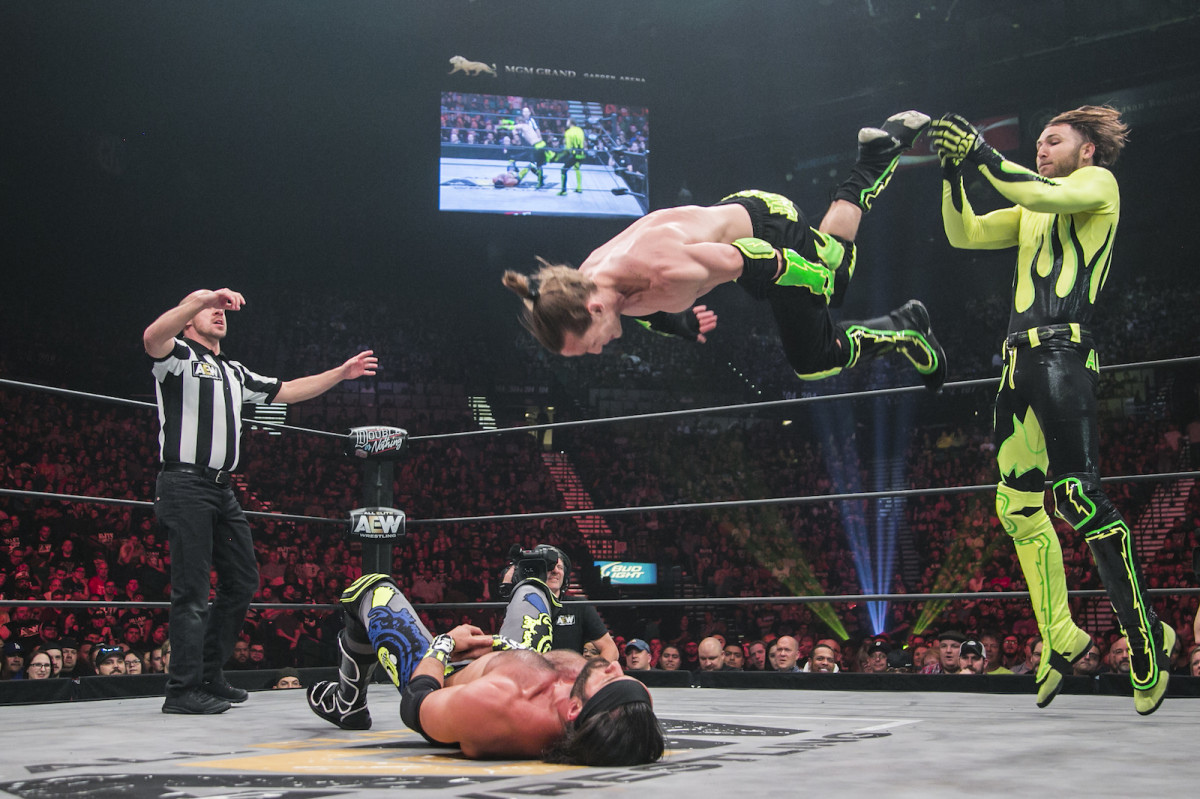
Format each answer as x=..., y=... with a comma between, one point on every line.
x=302, y=388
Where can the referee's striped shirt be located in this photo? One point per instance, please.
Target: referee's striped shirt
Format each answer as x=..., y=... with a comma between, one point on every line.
x=200, y=396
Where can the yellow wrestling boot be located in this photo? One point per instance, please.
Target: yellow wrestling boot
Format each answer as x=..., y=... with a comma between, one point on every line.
x=1052, y=669
x=1147, y=700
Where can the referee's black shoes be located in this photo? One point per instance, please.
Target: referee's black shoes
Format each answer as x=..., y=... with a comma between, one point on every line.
x=223, y=690
x=195, y=702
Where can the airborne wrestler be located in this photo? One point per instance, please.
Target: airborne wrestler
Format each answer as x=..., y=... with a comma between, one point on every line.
x=657, y=268
x=508, y=701
x=1063, y=224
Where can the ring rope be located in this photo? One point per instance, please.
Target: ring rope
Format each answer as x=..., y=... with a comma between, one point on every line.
x=691, y=601
x=801, y=500
x=753, y=406
x=69, y=392
x=141, y=503
x=745, y=406
x=717, y=504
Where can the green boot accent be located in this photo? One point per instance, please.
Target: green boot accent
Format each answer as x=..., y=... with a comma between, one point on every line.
x=879, y=151
x=1112, y=550
x=1060, y=662
x=1147, y=701
x=907, y=331
x=1039, y=551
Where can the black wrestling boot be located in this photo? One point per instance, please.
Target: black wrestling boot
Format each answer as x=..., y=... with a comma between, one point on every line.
x=907, y=331
x=1150, y=640
x=879, y=150
x=344, y=702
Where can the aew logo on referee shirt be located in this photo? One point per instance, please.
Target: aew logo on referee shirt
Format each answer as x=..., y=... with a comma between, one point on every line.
x=206, y=370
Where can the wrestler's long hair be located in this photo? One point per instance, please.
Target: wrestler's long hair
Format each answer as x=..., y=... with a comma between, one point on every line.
x=555, y=302
x=628, y=735
x=1102, y=126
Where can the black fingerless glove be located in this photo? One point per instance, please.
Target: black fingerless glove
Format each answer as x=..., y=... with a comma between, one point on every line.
x=677, y=325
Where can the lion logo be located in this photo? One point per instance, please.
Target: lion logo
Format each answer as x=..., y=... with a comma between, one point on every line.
x=461, y=64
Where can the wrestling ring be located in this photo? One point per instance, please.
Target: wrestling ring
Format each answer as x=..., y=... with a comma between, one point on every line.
x=928, y=735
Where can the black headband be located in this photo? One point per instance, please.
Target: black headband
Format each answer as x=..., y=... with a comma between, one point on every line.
x=615, y=694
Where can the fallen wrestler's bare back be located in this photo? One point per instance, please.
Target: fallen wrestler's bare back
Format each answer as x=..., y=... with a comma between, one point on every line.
x=505, y=704
x=668, y=259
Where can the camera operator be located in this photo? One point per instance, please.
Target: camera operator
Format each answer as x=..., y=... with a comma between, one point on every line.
x=537, y=616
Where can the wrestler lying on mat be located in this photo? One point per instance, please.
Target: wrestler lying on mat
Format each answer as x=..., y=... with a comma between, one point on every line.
x=501, y=696
x=657, y=268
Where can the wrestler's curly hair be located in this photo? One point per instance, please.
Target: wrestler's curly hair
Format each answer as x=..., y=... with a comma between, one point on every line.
x=628, y=735
x=1102, y=126
x=555, y=302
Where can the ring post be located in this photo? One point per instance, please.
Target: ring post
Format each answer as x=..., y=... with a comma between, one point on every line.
x=377, y=525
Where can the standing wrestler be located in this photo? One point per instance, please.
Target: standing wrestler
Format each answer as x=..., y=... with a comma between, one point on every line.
x=527, y=131
x=661, y=264
x=200, y=393
x=1063, y=226
x=572, y=156
x=540, y=617
x=508, y=701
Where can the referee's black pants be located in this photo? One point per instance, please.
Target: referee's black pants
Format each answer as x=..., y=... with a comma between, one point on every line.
x=206, y=529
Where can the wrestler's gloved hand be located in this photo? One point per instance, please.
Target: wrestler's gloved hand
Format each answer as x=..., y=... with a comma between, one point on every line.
x=951, y=169
x=684, y=325
x=956, y=140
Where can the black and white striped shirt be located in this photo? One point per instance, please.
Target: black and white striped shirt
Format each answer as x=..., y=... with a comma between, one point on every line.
x=200, y=396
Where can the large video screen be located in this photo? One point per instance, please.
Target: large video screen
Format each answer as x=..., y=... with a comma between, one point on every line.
x=504, y=154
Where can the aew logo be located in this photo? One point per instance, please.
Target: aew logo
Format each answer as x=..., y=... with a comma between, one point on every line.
x=206, y=370
x=377, y=523
x=379, y=442
x=565, y=620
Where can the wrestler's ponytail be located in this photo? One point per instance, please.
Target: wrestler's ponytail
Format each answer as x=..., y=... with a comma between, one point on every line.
x=554, y=302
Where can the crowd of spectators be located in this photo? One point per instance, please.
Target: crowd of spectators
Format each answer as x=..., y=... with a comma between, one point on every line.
x=113, y=554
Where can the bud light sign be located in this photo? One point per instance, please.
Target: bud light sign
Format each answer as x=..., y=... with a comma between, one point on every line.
x=622, y=573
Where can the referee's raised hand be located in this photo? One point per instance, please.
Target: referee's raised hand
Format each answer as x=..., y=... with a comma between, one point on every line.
x=365, y=363
x=226, y=298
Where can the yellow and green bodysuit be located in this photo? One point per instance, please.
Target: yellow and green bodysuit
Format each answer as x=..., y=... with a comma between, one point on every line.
x=572, y=156
x=1045, y=413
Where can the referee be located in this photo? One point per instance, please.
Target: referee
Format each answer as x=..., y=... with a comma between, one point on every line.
x=200, y=394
